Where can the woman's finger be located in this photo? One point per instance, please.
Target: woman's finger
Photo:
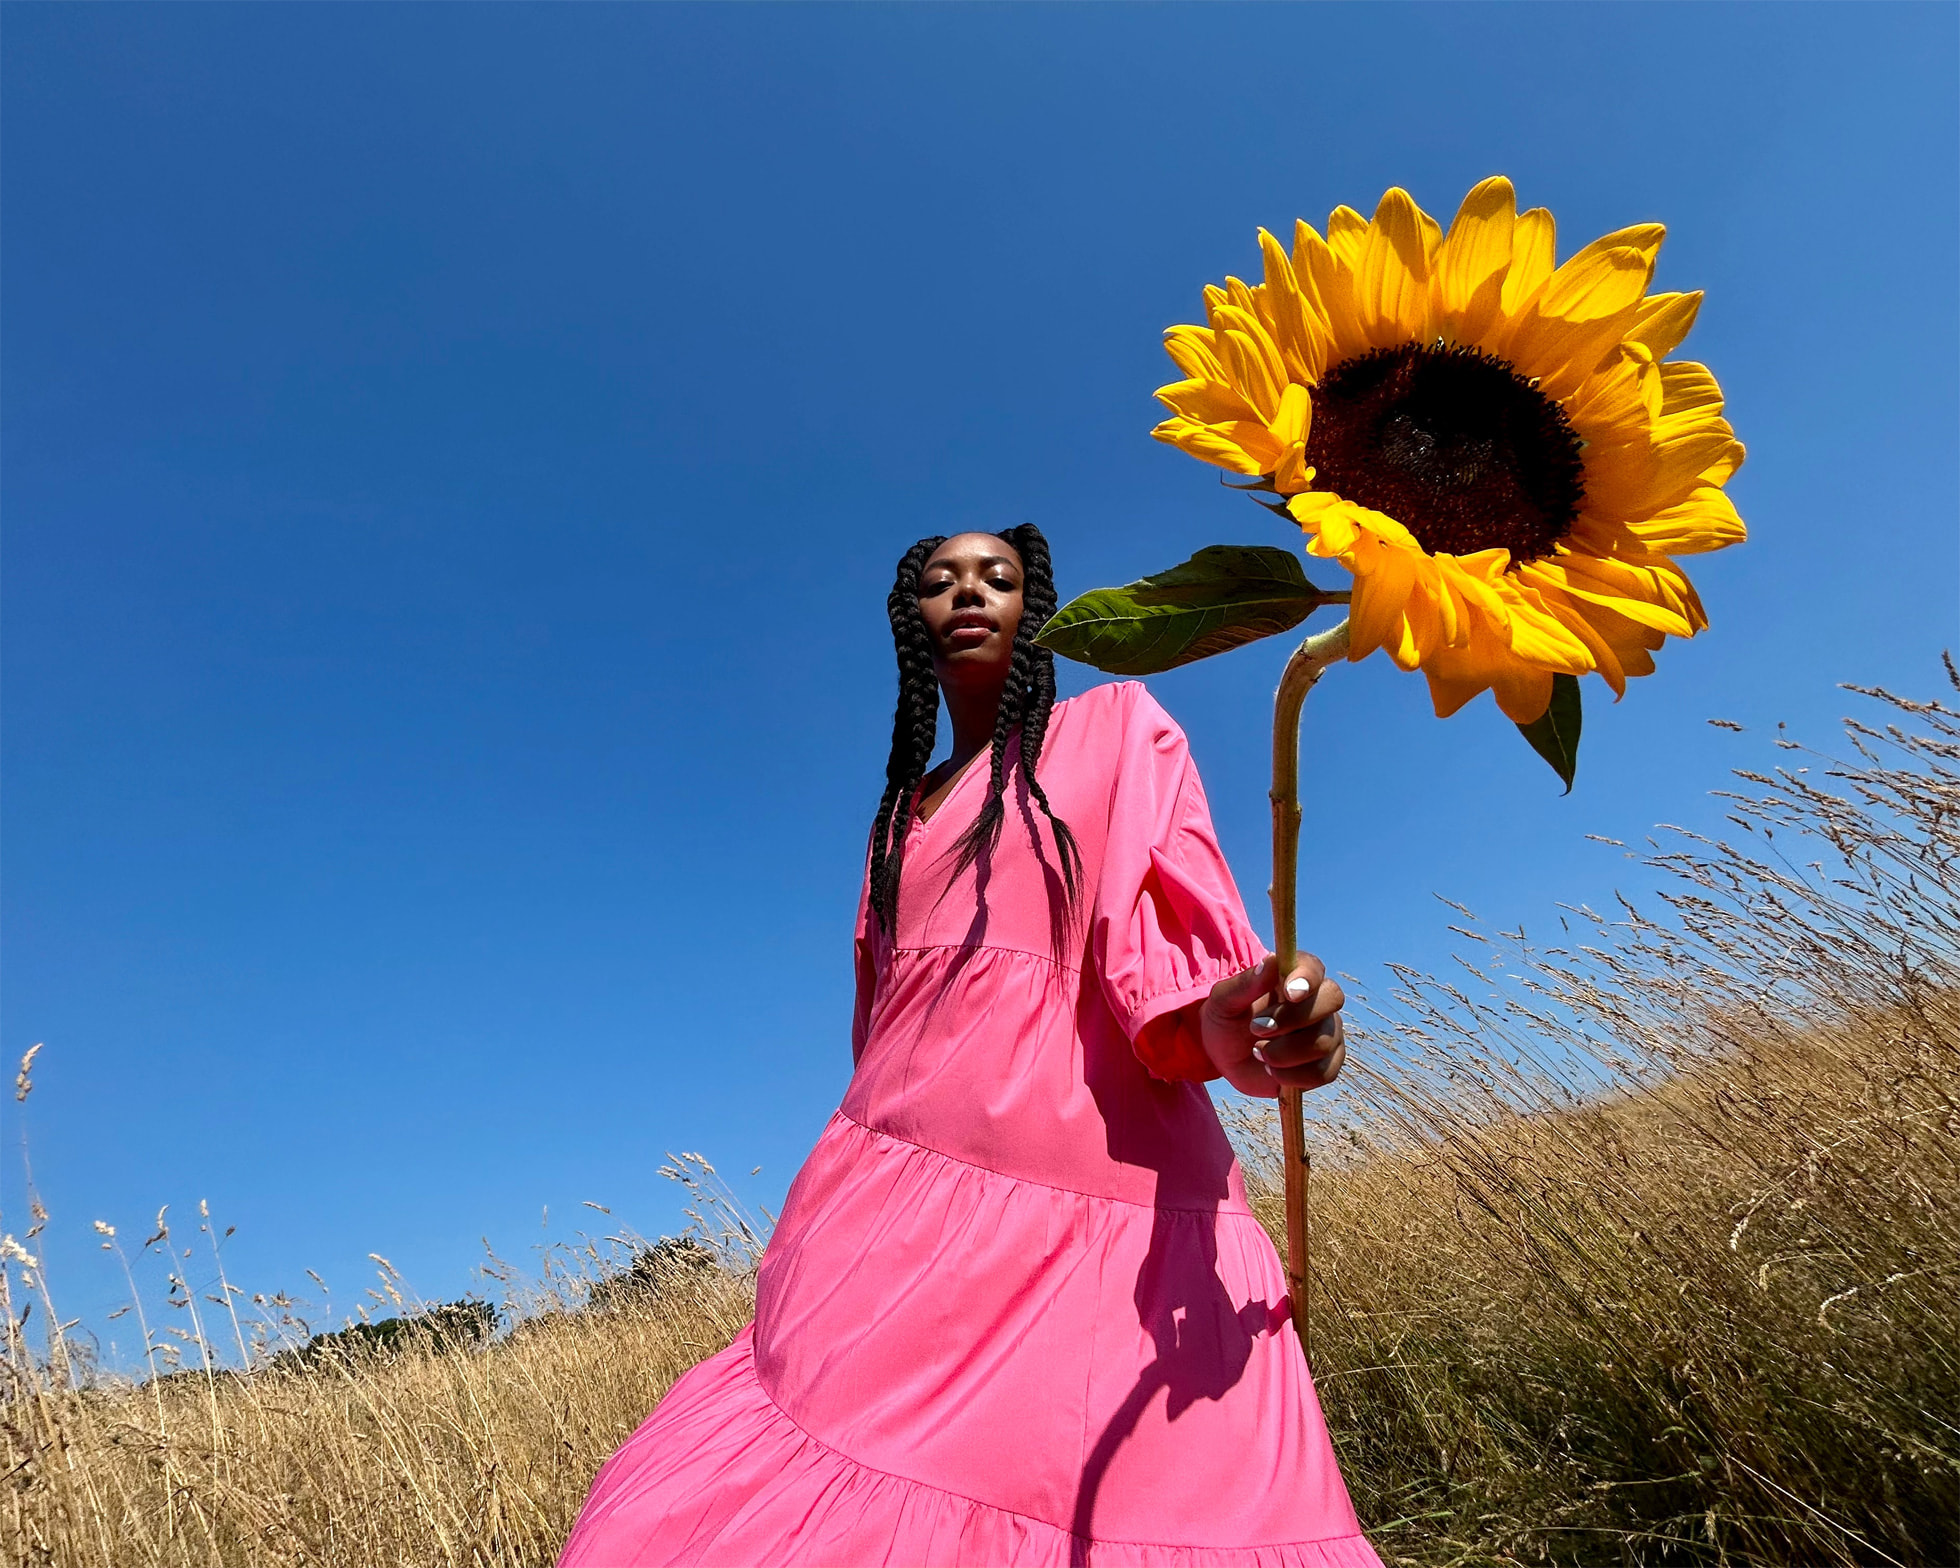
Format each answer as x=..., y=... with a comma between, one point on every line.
x=1272, y=1010
x=1307, y=973
x=1239, y=994
x=1300, y=1046
x=1321, y=1000
x=1317, y=1075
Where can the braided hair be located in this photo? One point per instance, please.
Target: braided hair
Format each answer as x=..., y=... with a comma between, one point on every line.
x=1027, y=700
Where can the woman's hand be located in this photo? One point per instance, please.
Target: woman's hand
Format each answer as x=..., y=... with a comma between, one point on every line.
x=1261, y=1034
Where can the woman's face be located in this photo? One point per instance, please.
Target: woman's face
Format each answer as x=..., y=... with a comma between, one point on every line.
x=970, y=599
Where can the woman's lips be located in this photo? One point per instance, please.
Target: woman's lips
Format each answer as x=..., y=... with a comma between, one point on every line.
x=968, y=634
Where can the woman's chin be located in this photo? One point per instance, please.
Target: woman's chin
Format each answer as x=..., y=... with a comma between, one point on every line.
x=974, y=666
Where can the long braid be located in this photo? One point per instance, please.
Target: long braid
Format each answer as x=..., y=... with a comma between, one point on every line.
x=915, y=729
x=983, y=832
x=1038, y=603
x=1026, y=700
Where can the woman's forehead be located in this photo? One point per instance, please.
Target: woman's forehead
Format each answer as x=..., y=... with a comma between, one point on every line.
x=975, y=549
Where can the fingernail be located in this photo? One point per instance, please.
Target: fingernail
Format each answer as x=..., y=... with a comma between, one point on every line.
x=1296, y=988
x=1259, y=1052
x=1262, y=1023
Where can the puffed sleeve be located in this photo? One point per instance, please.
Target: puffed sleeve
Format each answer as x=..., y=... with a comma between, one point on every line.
x=1168, y=922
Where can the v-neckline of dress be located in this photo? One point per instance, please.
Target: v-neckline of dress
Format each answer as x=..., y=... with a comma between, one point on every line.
x=972, y=766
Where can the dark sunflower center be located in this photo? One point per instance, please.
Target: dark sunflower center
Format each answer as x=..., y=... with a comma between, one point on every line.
x=1453, y=444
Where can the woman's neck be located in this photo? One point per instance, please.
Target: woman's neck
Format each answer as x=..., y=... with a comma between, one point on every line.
x=973, y=714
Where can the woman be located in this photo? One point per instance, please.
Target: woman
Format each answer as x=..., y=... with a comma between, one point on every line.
x=1016, y=1310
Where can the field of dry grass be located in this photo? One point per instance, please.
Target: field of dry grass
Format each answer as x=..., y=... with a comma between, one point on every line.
x=1638, y=1247
x=421, y=1452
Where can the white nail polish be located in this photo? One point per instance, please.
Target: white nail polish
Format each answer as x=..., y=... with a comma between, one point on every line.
x=1259, y=1053
x=1262, y=1023
x=1296, y=988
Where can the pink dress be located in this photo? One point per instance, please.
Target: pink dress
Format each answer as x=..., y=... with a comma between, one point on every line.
x=1016, y=1310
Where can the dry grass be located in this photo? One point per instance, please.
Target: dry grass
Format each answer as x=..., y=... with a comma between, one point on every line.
x=1643, y=1247
x=1637, y=1249
x=424, y=1454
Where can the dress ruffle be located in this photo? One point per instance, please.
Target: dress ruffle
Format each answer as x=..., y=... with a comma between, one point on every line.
x=753, y=1481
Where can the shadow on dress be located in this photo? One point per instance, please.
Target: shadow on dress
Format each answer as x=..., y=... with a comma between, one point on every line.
x=1203, y=1343
x=1067, y=925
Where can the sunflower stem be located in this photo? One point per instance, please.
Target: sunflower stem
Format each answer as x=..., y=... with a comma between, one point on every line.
x=1309, y=662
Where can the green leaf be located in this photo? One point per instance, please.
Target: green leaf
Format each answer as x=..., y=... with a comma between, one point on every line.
x=1555, y=735
x=1225, y=596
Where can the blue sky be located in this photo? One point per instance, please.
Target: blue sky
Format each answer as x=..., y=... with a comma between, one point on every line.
x=454, y=457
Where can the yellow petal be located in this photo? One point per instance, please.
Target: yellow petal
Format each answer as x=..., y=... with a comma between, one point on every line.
x=1457, y=674
x=1296, y=327
x=1452, y=614
x=1664, y=320
x=1391, y=283
x=1688, y=390
x=1610, y=407
x=1295, y=417
x=1532, y=240
x=1254, y=439
x=1472, y=261
x=1244, y=310
x=1327, y=283
x=1449, y=692
x=1579, y=618
x=1605, y=660
x=1347, y=233
x=1578, y=318
x=1639, y=478
x=1313, y=265
x=1722, y=470
x=1422, y=628
x=1592, y=534
x=1211, y=444
x=1432, y=238
x=1326, y=520
x=1193, y=351
x=1245, y=319
x=1249, y=369
x=1705, y=520
x=1650, y=376
x=1380, y=525
x=1643, y=237
x=1522, y=692
x=1291, y=474
x=1291, y=426
x=1640, y=594
x=1538, y=637
x=1632, y=644
x=1483, y=568
x=1381, y=592
x=1205, y=402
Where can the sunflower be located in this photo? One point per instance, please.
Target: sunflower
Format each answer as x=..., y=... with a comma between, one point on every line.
x=1496, y=447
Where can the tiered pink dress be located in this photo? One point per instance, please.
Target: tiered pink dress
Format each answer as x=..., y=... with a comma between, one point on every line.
x=1016, y=1310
